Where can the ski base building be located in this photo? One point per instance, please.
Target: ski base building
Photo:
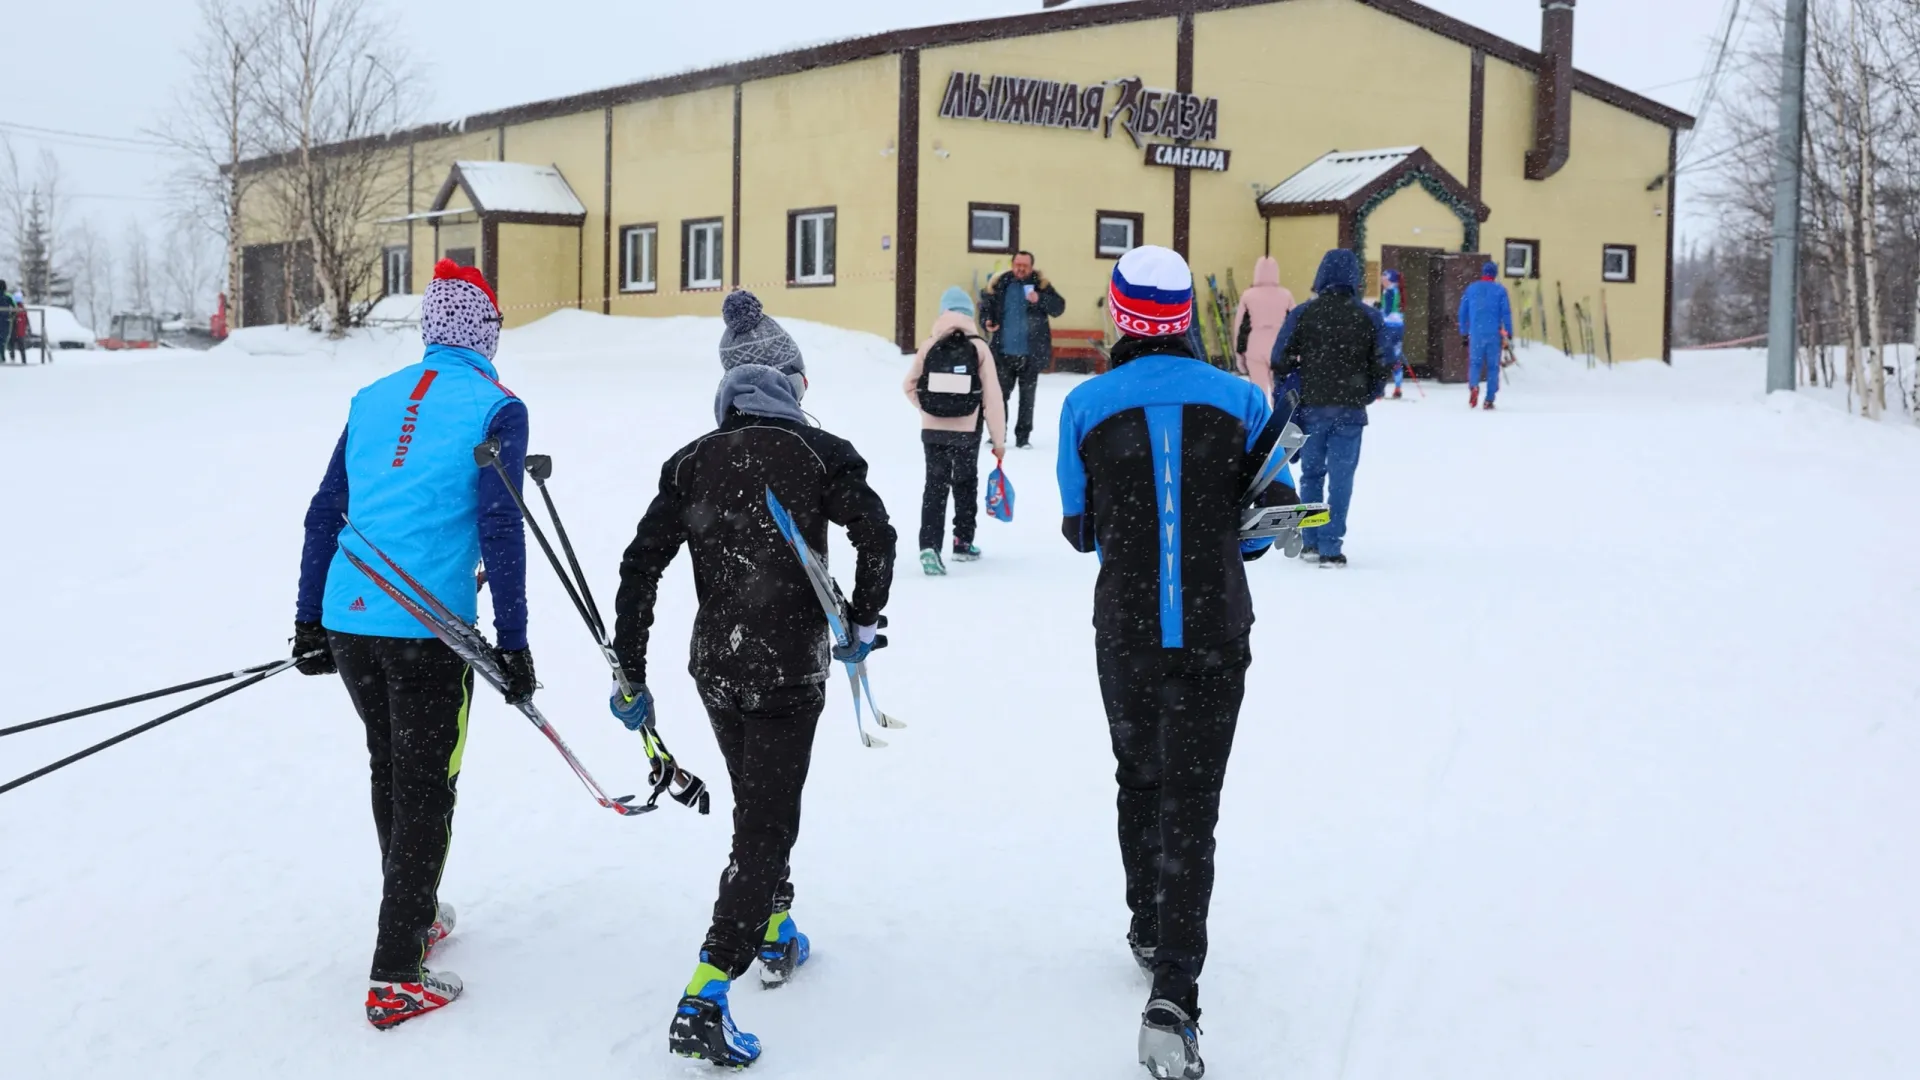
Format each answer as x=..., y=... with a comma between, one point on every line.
x=851, y=183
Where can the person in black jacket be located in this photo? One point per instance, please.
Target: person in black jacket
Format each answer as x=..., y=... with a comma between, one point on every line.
x=1335, y=350
x=1156, y=458
x=760, y=652
x=1017, y=309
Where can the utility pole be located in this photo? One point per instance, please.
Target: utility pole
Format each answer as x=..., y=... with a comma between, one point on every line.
x=1782, y=326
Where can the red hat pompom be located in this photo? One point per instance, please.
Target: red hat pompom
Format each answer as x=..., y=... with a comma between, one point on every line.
x=448, y=270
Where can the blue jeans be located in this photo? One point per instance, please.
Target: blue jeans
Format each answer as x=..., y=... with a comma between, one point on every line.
x=1327, y=465
x=1484, y=356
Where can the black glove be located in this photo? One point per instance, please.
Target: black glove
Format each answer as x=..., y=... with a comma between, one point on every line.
x=516, y=666
x=312, y=637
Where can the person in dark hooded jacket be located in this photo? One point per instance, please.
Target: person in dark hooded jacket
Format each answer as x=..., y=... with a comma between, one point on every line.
x=1335, y=351
x=760, y=653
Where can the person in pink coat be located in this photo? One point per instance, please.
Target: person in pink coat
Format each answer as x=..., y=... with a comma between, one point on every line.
x=1256, y=323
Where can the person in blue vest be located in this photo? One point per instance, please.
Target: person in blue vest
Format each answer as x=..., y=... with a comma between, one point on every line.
x=1156, y=458
x=1393, y=321
x=1486, y=321
x=403, y=477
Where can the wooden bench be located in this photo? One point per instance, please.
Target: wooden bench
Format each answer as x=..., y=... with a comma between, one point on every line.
x=1079, y=352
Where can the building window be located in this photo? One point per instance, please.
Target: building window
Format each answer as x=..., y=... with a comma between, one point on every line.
x=810, y=244
x=1116, y=232
x=461, y=256
x=1617, y=262
x=396, y=271
x=702, y=264
x=1523, y=258
x=638, y=258
x=993, y=227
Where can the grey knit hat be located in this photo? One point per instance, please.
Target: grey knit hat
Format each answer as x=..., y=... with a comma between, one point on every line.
x=752, y=337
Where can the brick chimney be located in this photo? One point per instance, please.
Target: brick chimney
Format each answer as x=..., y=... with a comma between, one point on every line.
x=1553, y=91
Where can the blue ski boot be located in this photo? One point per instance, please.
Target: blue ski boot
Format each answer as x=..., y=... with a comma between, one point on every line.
x=782, y=951
x=703, y=1025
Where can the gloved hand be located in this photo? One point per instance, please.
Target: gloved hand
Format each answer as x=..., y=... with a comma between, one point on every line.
x=865, y=640
x=516, y=666
x=312, y=637
x=632, y=711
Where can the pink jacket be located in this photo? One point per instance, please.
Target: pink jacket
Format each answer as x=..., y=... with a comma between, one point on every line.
x=1267, y=304
x=995, y=405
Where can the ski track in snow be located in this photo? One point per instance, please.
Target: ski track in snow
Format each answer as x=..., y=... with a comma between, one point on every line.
x=1596, y=763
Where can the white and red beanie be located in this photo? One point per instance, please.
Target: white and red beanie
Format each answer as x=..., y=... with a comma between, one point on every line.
x=460, y=309
x=1152, y=293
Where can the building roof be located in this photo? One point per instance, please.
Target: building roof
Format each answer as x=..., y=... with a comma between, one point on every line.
x=1341, y=181
x=1338, y=175
x=514, y=187
x=1073, y=17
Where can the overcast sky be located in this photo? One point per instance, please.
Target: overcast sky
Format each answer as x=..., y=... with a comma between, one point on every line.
x=108, y=67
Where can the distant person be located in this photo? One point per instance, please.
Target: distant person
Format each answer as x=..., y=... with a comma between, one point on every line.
x=761, y=652
x=1393, y=315
x=1334, y=347
x=1486, y=321
x=1257, y=321
x=403, y=474
x=23, y=326
x=951, y=382
x=1155, y=459
x=1020, y=305
x=8, y=308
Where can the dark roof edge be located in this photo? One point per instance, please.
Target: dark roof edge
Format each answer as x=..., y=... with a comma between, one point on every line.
x=850, y=50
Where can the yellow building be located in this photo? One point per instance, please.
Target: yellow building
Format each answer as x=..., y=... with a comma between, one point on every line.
x=853, y=182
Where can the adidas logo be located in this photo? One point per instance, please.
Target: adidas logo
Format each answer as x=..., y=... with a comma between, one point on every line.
x=357, y=605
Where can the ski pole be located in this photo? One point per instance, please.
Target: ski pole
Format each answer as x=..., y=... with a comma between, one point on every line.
x=487, y=455
x=183, y=710
x=136, y=699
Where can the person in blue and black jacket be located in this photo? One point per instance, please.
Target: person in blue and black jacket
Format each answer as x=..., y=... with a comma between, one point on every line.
x=403, y=474
x=1156, y=458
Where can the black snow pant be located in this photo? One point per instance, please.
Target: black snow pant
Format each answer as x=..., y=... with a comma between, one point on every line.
x=1024, y=372
x=953, y=464
x=1171, y=713
x=766, y=737
x=413, y=695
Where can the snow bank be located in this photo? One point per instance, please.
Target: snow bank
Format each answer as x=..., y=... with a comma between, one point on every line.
x=1584, y=769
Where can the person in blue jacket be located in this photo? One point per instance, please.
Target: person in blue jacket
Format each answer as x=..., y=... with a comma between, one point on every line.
x=403, y=477
x=1394, y=320
x=1486, y=321
x=1334, y=352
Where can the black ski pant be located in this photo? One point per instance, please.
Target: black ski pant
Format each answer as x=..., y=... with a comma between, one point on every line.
x=413, y=695
x=1024, y=372
x=766, y=737
x=953, y=464
x=1172, y=714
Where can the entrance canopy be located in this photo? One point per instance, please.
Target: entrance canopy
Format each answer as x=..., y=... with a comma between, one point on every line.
x=1353, y=183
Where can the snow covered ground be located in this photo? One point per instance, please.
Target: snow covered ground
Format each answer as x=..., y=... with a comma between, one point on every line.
x=1598, y=763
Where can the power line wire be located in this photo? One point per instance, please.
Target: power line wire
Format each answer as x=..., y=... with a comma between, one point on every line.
x=32, y=129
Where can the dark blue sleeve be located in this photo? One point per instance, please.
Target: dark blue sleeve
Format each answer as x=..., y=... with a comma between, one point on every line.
x=325, y=514
x=503, y=538
x=1281, y=367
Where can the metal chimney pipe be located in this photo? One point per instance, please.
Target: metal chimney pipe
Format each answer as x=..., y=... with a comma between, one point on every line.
x=1553, y=92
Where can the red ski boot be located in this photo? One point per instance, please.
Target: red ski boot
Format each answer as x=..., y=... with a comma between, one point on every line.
x=442, y=928
x=1473, y=397
x=390, y=1004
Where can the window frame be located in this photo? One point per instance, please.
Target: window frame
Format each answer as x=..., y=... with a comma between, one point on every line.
x=718, y=225
x=652, y=284
x=456, y=254
x=1012, y=213
x=1137, y=222
x=1632, y=252
x=405, y=277
x=1533, y=261
x=830, y=246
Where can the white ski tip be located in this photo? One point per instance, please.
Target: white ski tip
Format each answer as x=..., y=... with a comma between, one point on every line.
x=891, y=722
x=872, y=743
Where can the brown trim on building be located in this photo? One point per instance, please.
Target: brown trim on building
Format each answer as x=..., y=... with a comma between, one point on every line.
x=1673, y=184
x=962, y=33
x=1346, y=230
x=410, y=224
x=1477, y=124
x=606, y=228
x=520, y=217
x=490, y=253
x=1633, y=264
x=1139, y=229
x=733, y=269
x=906, y=194
x=1182, y=178
x=500, y=143
x=624, y=230
x=1013, y=229
x=580, y=267
x=793, y=250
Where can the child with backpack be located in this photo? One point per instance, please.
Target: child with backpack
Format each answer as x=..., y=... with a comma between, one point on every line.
x=946, y=384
